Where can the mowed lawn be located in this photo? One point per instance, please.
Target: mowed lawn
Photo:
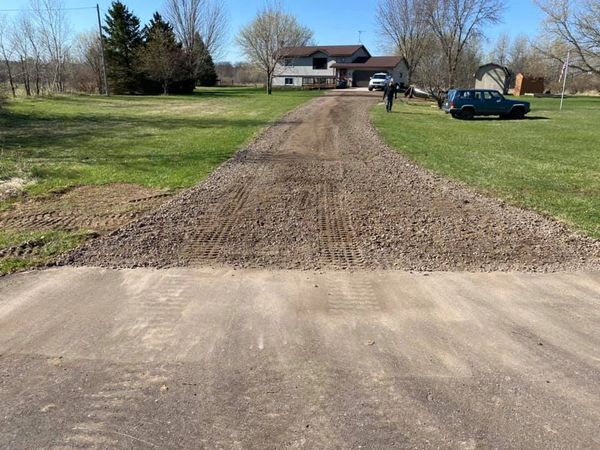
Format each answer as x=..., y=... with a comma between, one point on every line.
x=549, y=162
x=163, y=142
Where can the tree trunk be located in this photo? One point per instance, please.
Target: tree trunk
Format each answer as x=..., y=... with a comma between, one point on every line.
x=37, y=76
x=10, y=79
x=26, y=77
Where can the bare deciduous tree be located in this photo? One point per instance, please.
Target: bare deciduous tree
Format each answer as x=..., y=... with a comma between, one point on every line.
x=6, y=54
x=206, y=18
x=456, y=22
x=405, y=24
x=54, y=30
x=88, y=52
x=500, y=52
x=263, y=39
x=576, y=24
x=31, y=36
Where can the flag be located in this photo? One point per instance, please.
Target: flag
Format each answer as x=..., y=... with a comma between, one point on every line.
x=564, y=70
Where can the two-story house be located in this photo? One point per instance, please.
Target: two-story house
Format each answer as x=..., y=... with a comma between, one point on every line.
x=325, y=65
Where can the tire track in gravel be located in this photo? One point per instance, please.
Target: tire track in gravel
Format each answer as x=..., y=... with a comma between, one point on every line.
x=320, y=190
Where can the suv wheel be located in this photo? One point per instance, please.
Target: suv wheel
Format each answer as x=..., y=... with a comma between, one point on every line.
x=370, y=88
x=518, y=114
x=467, y=114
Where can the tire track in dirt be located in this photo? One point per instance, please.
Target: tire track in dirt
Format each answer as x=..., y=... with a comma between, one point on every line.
x=100, y=208
x=320, y=189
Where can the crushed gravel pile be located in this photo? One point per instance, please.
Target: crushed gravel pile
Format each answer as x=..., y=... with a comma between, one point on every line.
x=320, y=190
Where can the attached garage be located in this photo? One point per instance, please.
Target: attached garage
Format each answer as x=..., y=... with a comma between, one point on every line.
x=360, y=78
x=361, y=70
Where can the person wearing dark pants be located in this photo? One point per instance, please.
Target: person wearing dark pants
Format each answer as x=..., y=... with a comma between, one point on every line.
x=390, y=92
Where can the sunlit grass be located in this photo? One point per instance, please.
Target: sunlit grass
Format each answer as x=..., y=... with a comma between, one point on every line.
x=549, y=163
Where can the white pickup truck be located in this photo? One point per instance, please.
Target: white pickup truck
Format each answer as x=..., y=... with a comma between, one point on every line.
x=378, y=81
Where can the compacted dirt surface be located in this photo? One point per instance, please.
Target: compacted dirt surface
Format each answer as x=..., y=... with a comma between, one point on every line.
x=320, y=190
x=227, y=359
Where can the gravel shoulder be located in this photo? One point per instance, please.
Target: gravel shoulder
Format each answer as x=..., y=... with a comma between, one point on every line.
x=320, y=190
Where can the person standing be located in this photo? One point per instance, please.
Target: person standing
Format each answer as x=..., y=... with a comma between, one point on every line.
x=390, y=92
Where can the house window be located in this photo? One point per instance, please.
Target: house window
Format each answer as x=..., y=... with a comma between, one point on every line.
x=319, y=63
x=289, y=81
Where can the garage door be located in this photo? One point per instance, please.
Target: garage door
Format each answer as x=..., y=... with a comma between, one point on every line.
x=361, y=78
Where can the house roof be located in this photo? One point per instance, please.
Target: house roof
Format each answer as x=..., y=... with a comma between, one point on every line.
x=374, y=62
x=331, y=50
x=494, y=65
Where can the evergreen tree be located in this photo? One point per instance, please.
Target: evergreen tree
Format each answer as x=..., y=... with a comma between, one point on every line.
x=123, y=41
x=161, y=59
x=206, y=74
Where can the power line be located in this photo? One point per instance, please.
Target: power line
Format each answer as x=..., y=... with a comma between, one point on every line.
x=46, y=10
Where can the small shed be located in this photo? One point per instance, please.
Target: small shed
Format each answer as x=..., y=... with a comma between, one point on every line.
x=493, y=76
x=527, y=84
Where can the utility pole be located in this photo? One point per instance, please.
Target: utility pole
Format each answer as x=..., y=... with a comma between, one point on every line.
x=102, y=51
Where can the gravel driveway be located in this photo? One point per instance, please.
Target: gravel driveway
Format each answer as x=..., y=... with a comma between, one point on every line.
x=320, y=190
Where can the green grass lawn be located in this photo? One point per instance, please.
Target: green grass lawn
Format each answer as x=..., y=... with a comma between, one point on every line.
x=163, y=142
x=166, y=142
x=549, y=163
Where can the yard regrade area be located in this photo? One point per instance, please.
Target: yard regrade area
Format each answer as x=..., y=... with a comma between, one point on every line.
x=549, y=163
x=163, y=143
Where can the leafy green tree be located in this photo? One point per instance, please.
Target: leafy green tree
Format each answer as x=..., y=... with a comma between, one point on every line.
x=161, y=58
x=123, y=41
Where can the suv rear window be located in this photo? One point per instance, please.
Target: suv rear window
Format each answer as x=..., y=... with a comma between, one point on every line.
x=380, y=77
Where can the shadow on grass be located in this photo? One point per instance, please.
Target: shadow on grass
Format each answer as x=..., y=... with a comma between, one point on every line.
x=30, y=133
x=231, y=92
x=508, y=119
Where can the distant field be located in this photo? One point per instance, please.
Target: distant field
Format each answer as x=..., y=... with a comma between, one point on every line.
x=549, y=163
x=159, y=142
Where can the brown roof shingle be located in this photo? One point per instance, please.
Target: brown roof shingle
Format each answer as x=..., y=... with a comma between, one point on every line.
x=331, y=50
x=374, y=62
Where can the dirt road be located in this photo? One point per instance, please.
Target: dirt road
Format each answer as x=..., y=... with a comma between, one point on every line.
x=319, y=189
x=204, y=358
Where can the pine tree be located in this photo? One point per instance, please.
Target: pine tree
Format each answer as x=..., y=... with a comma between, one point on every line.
x=161, y=58
x=206, y=74
x=122, y=43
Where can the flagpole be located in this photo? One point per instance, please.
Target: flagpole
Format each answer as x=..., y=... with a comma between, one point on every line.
x=562, y=97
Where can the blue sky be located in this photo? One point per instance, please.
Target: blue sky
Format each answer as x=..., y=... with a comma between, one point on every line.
x=334, y=22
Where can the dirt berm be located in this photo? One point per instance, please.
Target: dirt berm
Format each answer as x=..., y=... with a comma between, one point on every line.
x=320, y=189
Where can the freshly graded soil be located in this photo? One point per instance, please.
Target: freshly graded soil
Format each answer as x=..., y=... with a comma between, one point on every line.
x=319, y=189
x=100, y=208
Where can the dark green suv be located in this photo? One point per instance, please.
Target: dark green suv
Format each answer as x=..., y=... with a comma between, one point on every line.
x=468, y=103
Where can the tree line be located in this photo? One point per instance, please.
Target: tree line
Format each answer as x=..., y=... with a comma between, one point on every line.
x=152, y=60
x=441, y=40
x=171, y=54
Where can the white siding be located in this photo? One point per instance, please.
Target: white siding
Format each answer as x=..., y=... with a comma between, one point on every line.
x=280, y=82
x=304, y=67
x=400, y=73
